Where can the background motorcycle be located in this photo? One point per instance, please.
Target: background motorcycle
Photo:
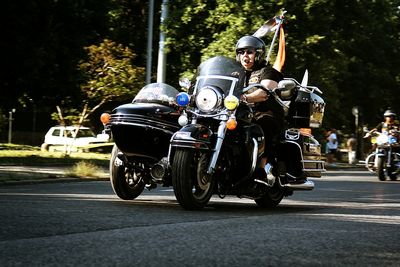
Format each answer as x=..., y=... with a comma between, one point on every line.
x=384, y=161
x=141, y=131
x=219, y=147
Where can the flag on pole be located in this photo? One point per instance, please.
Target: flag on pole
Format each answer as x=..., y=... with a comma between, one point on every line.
x=281, y=55
x=266, y=28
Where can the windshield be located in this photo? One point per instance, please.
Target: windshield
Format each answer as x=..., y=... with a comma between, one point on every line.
x=222, y=72
x=160, y=93
x=85, y=133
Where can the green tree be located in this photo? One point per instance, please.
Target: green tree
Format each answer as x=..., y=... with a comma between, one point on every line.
x=109, y=76
x=349, y=47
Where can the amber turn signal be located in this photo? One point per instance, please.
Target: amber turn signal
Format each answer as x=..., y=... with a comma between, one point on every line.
x=305, y=131
x=231, y=124
x=105, y=118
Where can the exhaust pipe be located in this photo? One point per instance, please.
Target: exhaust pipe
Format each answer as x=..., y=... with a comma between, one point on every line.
x=160, y=170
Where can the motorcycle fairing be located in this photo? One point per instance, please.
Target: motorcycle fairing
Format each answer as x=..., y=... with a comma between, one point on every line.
x=221, y=72
x=193, y=136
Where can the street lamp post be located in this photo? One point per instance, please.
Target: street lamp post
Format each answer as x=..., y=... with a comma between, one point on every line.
x=162, y=57
x=10, y=119
x=149, y=41
x=360, y=144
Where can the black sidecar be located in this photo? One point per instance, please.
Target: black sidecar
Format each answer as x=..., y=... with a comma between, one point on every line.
x=141, y=131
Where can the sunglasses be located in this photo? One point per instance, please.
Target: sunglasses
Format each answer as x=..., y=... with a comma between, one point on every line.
x=243, y=51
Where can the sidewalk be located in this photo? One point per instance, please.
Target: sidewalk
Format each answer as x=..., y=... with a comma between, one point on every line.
x=14, y=175
x=345, y=166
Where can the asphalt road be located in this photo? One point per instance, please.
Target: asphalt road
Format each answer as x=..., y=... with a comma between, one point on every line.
x=350, y=219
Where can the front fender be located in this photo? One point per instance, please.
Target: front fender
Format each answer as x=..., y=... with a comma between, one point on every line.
x=193, y=136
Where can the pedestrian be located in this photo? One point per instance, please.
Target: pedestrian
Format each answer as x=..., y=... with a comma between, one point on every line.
x=351, y=149
x=332, y=146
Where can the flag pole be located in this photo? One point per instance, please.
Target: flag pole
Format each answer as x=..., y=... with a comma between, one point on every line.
x=280, y=21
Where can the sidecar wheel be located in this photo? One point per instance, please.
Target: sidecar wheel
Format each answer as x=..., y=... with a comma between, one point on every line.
x=381, y=169
x=123, y=184
x=272, y=198
x=192, y=188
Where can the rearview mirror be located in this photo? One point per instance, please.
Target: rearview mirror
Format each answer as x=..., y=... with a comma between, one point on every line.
x=184, y=83
x=286, y=88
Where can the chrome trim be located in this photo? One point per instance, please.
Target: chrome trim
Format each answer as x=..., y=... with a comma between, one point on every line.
x=219, y=99
x=295, y=136
x=140, y=119
x=307, y=185
x=254, y=161
x=143, y=126
x=233, y=80
x=217, y=149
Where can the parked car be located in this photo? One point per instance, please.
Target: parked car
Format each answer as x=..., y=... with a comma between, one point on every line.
x=60, y=138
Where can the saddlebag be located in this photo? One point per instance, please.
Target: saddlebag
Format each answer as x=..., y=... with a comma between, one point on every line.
x=306, y=110
x=302, y=155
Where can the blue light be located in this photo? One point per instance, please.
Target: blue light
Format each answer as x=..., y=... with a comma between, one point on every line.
x=182, y=99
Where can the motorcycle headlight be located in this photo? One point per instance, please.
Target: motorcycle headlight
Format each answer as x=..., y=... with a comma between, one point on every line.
x=208, y=99
x=382, y=139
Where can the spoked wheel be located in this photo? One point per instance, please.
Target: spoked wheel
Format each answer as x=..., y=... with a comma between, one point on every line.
x=126, y=184
x=381, y=168
x=193, y=188
x=272, y=198
x=370, y=162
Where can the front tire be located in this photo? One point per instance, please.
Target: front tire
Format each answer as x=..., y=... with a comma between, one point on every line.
x=381, y=168
x=125, y=184
x=370, y=162
x=192, y=186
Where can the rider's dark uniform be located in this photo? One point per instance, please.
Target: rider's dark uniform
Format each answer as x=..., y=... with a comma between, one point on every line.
x=268, y=114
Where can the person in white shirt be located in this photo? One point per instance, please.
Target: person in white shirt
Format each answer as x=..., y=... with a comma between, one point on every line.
x=332, y=146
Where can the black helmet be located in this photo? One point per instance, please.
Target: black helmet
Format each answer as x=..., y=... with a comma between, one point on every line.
x=250, y=41
x=389, y=113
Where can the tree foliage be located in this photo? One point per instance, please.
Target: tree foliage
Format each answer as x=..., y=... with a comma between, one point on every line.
x=109, y=75
x=350, y=48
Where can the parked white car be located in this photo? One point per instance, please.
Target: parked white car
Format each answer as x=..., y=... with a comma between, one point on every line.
x=60, y=137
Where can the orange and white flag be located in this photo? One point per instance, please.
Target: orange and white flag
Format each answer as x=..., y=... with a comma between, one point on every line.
x=281, y=55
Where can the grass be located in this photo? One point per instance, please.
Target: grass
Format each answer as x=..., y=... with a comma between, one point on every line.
x=32, y=156
x=85, y=169
x=77, y=164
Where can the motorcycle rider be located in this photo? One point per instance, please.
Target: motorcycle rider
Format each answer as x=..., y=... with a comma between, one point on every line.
x=389, y=125
x=389, y=122
x=250, y=51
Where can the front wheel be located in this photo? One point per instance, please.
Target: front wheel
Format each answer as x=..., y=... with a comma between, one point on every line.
x=125, y=184
x=381, y=168
x=370, y=162
x=272, y=198
x=193, y=187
